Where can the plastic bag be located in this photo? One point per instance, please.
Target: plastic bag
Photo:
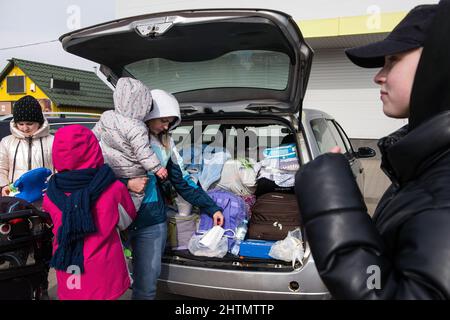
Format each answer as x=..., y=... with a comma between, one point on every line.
x=289, y=249
x=184, y=207
x=212, y=238
x=247, y=174
x=197, y=249
x=237, y=179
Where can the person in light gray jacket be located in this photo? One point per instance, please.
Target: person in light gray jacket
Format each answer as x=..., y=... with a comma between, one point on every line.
x=124, y=136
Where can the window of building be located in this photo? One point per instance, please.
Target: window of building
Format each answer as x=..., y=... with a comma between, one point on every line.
x=15, y=84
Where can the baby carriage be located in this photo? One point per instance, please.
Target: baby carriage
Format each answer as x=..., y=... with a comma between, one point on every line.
x=25, y=249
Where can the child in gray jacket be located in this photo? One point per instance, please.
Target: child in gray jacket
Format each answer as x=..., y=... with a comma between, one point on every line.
x=124, y=136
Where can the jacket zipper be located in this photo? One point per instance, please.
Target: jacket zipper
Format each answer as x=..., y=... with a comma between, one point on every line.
x=30, y=142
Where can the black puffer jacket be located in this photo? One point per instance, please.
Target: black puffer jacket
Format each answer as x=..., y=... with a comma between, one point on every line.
x=407, y=243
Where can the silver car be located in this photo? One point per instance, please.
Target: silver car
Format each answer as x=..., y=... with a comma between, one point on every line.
x=55, y=120
x=240, y=77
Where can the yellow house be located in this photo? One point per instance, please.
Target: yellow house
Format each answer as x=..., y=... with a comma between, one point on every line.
x=56, y=88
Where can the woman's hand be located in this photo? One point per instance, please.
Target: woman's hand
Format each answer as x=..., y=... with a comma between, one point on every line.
x=5, y=191
x=137, y=185
x=162, y=173
x=218, y=218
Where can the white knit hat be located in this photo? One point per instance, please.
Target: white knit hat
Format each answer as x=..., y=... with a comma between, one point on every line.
x=164, y=105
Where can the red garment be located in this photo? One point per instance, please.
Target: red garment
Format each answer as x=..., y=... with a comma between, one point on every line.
x=106, y=274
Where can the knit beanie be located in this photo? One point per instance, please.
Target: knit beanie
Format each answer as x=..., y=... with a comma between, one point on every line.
x=28, y=109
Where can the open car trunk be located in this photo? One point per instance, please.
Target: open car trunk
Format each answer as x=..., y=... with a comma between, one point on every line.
x=212, y=55
x=242, y=137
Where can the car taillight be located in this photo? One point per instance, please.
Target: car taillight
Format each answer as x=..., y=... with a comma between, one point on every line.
x=15, y=221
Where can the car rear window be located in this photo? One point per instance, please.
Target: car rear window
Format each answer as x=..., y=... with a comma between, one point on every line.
x=55, y=126
x=237, y=69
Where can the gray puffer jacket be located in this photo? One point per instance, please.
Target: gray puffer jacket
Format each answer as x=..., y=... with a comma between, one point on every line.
x=122, y=133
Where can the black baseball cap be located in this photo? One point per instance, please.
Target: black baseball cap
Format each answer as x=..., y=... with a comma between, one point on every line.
x=409, y=34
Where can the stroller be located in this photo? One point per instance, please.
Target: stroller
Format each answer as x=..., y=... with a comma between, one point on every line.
x=25, y=249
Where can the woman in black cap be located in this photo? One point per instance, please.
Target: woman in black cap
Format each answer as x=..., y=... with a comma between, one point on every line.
x=404, y=251
x=28, y=147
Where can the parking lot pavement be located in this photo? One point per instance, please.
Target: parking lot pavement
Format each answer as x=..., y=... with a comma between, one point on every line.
x=375, y=184
x=52, y=284
x=127, y=296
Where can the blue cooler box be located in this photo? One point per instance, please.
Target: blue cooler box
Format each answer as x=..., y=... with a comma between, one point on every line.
x=256, y=248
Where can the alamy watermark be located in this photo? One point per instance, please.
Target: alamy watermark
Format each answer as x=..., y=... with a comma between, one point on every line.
x=74, y=19
x=73, y=282
x=243, y=143
x=373, y=22
x=374, y=280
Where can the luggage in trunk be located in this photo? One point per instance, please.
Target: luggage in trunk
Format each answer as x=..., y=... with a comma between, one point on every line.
x=180, y=230
x=273, y=215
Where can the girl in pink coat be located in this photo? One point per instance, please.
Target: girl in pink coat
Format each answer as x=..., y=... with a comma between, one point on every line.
x=88, y=206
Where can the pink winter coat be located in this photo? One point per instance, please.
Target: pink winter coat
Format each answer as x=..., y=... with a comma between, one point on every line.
x=106, y=274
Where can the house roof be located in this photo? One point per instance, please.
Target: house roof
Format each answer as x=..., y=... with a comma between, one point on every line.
x=93, y=91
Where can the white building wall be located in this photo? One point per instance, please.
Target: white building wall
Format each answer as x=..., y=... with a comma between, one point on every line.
x=348, y=93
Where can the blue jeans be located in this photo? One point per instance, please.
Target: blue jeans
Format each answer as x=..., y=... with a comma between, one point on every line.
x=148, y=246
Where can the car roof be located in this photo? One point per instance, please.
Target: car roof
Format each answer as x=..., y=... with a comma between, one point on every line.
x=315, y=113
x=59, y=115
x=5, y=129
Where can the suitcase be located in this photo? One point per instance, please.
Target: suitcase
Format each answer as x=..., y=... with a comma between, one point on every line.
x=273, y=215
x=264, y=185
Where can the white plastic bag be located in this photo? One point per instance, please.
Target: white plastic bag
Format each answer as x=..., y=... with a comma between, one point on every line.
x=197, y=249
x=289, y=249
x=247, y=174
x=237, y=179
x=184, y=207
x=212, y=238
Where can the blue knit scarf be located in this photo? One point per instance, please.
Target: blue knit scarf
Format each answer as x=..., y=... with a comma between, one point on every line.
x=84, y=186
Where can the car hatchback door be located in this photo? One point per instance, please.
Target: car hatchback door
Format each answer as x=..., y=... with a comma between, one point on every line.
x=205, y=56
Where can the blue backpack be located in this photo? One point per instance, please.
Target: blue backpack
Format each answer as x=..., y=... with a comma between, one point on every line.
x=233, y=212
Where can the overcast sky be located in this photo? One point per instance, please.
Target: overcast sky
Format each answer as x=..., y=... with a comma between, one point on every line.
x=25, y=22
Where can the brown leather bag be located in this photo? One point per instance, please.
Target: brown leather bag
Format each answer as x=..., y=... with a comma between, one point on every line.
x=273, y=215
